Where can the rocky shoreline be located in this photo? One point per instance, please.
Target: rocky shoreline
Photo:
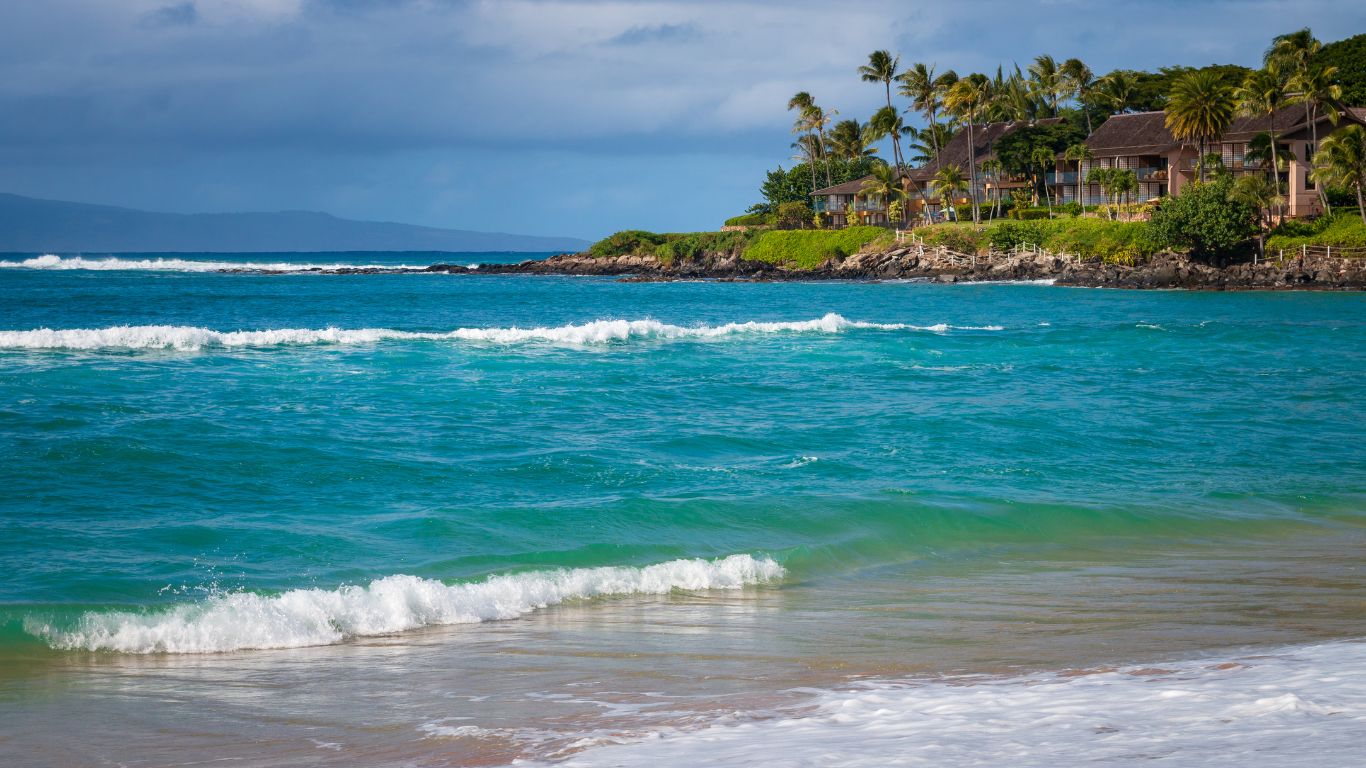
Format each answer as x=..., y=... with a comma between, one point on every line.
x=1165, y=270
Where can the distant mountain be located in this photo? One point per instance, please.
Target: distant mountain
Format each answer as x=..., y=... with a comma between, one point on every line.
x=28, y=225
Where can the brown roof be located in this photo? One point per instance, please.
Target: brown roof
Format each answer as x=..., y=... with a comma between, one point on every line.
x=984, y=138
x=955, y=152
x=1146, y=133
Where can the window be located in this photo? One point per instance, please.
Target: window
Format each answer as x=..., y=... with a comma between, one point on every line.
x=1308, y=154
x=1308, y=183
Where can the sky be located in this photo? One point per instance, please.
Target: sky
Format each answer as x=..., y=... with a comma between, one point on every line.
x=543, y=117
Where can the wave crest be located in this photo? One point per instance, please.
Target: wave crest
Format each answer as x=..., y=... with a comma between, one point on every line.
x=53, y=262
x=306, y=617
x=602, y=331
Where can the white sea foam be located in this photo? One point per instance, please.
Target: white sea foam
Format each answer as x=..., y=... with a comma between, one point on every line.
x=53, y=262
x=1299, y=707
x=305, y=617
x=602, y=331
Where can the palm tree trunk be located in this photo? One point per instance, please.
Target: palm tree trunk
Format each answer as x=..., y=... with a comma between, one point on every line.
x=1312, y=108
x=826, y=156
x=1361, y=207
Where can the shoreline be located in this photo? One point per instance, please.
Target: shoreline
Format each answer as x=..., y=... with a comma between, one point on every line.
x=1167, y=270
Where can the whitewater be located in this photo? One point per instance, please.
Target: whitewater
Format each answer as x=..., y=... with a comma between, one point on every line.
x=307, y=617
x=1296, y=706
x=597, y=332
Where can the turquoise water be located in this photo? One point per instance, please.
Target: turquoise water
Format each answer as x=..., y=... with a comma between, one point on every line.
x=146, y=477
x=194, y=461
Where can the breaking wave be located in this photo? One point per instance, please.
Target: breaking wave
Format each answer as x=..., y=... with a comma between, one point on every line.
x=602, y=331
x=307, y=617
x=50, y=261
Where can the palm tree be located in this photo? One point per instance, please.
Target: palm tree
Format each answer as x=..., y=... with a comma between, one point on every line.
x=886, y=186
x=1265, y=152
x=1119, y=90
x=1041, y=158
x=1341, y=162
x=1261, y=195
x=886, y=122
x=918, y=85
x=849, y=140
x=1123, y=181
x=1081, y=81
x=1047, y=82
x=1317, y=90
x=967, y=96
x=948, y=182
x=881, y=68
x=1200, y=107
x=1101, y=177
x=992, y=169
x=802, y=102
x=817, y=119
x=1262, y=93
x=1080, y=154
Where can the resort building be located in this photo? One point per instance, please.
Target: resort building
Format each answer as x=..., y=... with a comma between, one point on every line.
x=1142, y=143
x=846, y=204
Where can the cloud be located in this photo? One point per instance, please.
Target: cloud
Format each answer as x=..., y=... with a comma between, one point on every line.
x=175, y=96
x=180, y=15
x=661, y=33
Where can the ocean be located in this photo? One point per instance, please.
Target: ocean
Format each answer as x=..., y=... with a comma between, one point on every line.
x=457, y=520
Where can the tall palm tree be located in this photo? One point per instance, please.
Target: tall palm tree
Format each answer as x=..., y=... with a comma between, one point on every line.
x=967, y=96
x=802, y=102
x=1341, y=162
x=1262, y=93
x=1080, y=154
x=849, y=140
x=1200, y=108
x=1119, y=90
x=1041, y=158
x=1316, y=89
x=1081, y=81
x=1266, y=152
x=881, y=68
x=918, y=85
x=948, y=182
x=817, y=119
x=1047, y=82
x=1262, y=196
x=886, y=186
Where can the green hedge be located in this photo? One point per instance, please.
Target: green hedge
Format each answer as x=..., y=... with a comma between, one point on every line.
x=808, y=248
x=1343, y=228
x=1028, y=214
x=668, y=247
x=1113, y=240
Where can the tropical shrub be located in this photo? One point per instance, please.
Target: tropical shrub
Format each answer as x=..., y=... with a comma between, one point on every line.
x=1343, y=228
x=808, y=248
x=670, y=247
x=793, y=215
x=1203, y=220
x=1028, y=214
x=1072, y=208
x=960, y=239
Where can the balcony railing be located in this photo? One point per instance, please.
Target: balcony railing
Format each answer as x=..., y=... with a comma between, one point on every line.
x=1151, y=174
x=858, y=205
x=1066, y=177
x=829, y=207
x=869, y=205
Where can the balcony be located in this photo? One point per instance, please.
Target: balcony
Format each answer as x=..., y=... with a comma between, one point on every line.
x=868, y=205
x=1067, y=177
x=828, y=207
x=1151, y=174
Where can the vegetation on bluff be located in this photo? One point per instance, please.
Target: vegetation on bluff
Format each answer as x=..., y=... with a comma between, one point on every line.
x=806, y=249
x=671, y=246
